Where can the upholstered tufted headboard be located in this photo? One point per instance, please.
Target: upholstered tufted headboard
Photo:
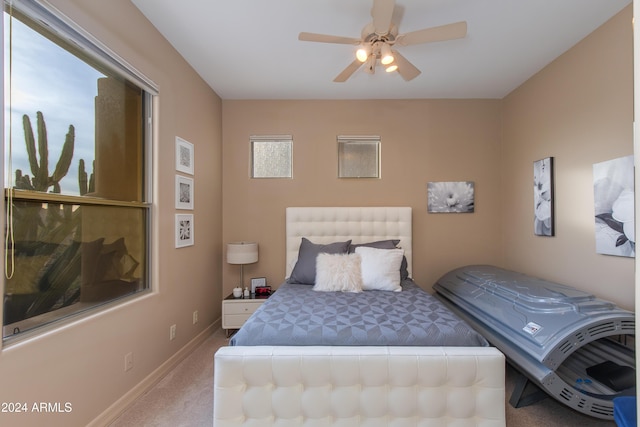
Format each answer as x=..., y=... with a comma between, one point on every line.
x=332, y=224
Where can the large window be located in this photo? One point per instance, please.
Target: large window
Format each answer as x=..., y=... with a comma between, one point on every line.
x=77, y=141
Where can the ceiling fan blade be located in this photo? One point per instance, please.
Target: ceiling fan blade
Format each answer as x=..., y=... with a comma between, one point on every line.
x=347, y=72
x=382, y=13
x=406, y=69
x=324, y=38
x=456, y=30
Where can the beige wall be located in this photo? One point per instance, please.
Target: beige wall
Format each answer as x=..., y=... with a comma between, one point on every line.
x=422, y=141
x=83, y=362
x=579, y=110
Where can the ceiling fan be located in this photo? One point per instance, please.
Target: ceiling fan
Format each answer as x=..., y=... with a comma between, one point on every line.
x=380, y=36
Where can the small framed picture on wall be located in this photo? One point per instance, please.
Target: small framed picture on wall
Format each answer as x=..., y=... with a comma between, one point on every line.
x=543, y=206
x=451, y=197
x=184, y=192
x=184, y=230
x=184, y=156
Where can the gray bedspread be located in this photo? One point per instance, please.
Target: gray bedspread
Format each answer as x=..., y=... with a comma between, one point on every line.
x=295, y=315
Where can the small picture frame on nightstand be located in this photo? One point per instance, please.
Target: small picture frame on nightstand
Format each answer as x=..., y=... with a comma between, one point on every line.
x=257, y=281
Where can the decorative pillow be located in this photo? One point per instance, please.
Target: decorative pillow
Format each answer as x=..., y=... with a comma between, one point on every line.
x=385, y=244
x=338, y=273
x=304, y=271
x=380, y=244
x=380, y=268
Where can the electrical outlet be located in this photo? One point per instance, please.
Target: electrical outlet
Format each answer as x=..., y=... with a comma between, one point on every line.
x=128, y=362
x=195, y=317
x=172, y=332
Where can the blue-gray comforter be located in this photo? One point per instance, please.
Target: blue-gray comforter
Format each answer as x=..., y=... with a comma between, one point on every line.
x=297, y=315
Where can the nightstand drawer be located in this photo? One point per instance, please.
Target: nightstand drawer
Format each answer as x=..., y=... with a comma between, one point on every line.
x=241, y=307
x=236, y=311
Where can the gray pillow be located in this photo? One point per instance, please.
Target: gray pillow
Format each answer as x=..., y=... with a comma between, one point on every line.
x=304, y=272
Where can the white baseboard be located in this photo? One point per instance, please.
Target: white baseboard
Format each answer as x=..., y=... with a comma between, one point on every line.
x=121, y=405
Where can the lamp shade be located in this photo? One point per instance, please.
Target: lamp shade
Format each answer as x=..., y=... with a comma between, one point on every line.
x=242, y=253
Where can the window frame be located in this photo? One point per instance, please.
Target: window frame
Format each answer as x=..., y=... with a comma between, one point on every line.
x=51, y=19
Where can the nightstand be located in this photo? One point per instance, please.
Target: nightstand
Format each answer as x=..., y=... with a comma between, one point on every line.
x=236, y=311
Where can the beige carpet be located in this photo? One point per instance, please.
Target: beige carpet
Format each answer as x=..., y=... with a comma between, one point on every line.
x=185, y=398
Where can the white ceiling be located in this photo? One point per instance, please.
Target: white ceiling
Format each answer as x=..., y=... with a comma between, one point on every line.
x=249, y=49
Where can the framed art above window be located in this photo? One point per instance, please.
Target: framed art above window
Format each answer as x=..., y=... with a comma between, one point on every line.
x=358, y=156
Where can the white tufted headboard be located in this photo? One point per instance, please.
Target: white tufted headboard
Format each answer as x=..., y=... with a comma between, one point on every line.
x=360, y=224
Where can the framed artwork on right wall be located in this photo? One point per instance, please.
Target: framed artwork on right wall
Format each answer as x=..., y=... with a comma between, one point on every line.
x=614, y=206
x=543, y=206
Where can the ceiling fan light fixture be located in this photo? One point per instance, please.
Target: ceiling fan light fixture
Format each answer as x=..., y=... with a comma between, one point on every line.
x=378, y=38
x=363, y=53
x=370, y=66
x=386, y=57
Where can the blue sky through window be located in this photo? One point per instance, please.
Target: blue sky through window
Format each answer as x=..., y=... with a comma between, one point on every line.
x=47, y=78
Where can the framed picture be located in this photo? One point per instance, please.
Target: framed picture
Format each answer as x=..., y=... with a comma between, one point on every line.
x=451, y=197
x=257, y=281
x=184, y=156
x=184, y=192
x=614, y=207
x=543, y=223
x=184, y=230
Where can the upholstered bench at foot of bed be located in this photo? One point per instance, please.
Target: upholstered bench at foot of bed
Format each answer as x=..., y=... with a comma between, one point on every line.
x=350, y=386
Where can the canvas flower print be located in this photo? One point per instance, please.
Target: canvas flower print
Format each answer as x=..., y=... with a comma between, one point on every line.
x=543, y=224
x=613, y=194
x=457, y=197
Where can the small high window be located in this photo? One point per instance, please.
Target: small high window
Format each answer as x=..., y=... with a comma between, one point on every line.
x=358, y=156
x=271, y=156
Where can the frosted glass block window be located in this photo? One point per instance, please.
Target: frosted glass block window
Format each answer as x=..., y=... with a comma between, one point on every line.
x=271, y=156
x=359, y=156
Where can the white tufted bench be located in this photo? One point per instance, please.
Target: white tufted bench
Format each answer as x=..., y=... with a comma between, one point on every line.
x=359, y=386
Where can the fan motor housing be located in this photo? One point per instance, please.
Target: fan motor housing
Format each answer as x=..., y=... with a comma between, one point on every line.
x=369, y=34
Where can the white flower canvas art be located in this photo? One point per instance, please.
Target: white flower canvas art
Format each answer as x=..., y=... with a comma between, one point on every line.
x=543, y=224
x=613, y=194
x=457, y=197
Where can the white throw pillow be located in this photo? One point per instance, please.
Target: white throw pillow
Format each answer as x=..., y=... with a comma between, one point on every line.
x=338, y=273
x=380, y=268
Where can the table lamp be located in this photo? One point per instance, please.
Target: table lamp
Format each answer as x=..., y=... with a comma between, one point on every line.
x=242, y=253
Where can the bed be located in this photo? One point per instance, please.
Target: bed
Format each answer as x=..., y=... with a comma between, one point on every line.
x=346, y=358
